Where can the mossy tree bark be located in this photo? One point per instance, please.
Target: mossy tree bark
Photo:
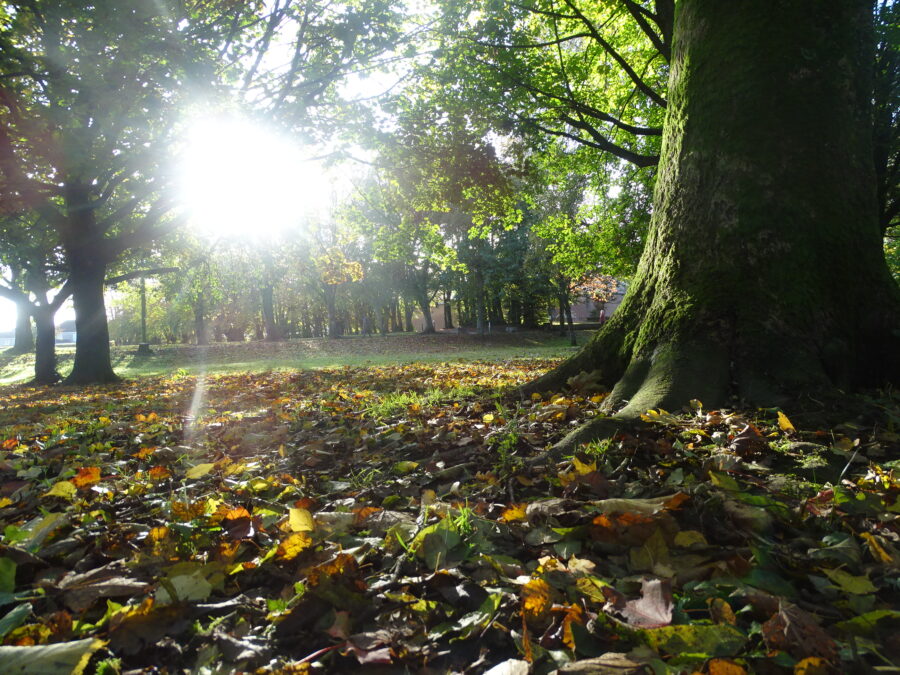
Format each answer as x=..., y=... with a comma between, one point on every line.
x=763, y=276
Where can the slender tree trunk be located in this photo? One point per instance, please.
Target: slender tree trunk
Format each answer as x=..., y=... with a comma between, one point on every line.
x=572, y=339
x=425, y=306
x=529, y=312
x=334, y=328
x=200, y=332
x=45, y=346
x=515, y=310
x=448, y=310
x=270, y=325
x=763, y=276
x=561, y=299
x=408, y=310
x=396, y=326
x=24, y=339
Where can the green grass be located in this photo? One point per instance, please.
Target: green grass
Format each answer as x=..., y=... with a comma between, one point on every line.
x=309, y=354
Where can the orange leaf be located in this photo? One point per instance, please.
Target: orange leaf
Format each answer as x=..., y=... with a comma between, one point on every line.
x=144, y=453
x=725, y=667
x=536, y=600
x=364, y=512
x=676, y=501
x=574, y=614
x=307, y=503
x=159, y=473
x=87, y=475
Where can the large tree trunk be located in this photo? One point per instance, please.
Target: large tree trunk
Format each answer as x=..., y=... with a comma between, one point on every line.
x=92, y=356
x=24, y=339
x=45, y=346
x=762, y=277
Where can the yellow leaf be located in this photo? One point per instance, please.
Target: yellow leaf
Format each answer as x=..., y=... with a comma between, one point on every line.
x=877, y=550
x=536, y=600
x=784, y=423
x=721, y=611
x=65, y=489
x=566, y=477
x=293, y=546
x=5, y=501
x=157, y=534
x=535, y=396
x=812, y=665
x=300, y=520
x=513, y=513
x=198, y=470
x=487, y=419
x=690, y=538
x=583, y=468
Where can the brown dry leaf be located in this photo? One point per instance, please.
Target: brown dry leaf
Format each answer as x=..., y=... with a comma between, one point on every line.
x=239, y=524
x=293, y=546
x=537, y=600
x=342, y=565
x=187, y=511
x=796, y=631
x=628, y=529
x=86, y=476
x=133, y=628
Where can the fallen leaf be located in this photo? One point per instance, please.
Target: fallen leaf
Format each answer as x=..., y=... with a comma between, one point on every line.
x=654, y=608
x=537, y=600
x=784, y=423
x=293, y=546
x=86, y=476
x=300, y=520
x=199, y=470
x=63, y=489
x=65, y=658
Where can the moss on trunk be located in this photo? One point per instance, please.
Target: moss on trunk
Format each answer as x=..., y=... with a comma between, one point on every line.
x=763, y=276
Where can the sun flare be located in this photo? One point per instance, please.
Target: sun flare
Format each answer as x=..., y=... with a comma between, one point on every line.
x=240, y=179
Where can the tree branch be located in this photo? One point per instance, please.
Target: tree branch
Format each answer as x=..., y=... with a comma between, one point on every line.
x=608, y=48
x=598, y=141
x=640, y=15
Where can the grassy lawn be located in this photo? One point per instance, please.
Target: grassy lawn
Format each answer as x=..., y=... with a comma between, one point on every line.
x=311, y=353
